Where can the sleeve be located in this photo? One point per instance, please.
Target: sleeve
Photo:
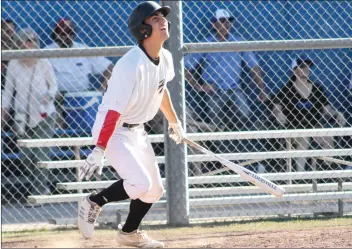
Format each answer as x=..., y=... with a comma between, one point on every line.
x=118, y=94
x=250, y=59
x=99, y=64
x=120, y=86
x=9, y=86
x=50, y=79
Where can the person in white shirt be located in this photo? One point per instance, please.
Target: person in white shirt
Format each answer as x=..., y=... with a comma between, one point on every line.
x=73, y=73
x=136, y=91
x=34, y=82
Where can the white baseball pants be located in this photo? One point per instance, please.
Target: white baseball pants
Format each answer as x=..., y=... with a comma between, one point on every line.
x=132, y=156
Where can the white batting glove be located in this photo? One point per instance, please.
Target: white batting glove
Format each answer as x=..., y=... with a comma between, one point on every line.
x=93, y=164
x=176, y=132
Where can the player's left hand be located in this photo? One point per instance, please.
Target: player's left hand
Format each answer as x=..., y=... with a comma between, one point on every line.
x=93, y=164
x=176, y=132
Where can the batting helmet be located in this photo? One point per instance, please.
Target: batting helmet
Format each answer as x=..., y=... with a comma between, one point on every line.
x=139, y=14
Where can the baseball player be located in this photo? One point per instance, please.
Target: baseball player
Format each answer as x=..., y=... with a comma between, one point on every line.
x=136, y=91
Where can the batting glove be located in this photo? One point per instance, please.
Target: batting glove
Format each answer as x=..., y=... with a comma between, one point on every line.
x=176, y=132
x=93, y=164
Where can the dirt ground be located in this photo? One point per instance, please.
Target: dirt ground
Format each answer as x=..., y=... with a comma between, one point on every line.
x=335, y=233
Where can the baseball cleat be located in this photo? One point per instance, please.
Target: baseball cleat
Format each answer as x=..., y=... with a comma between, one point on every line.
x=137, y=239
x=88, y=213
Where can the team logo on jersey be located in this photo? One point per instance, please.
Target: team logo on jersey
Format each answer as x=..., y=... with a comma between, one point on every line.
x=161, y=86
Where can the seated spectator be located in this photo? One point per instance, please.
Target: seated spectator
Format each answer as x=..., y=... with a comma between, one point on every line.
x=302, y=104
x=73, y=73
x=34, y=82
x=8, y=42
x=227, y=105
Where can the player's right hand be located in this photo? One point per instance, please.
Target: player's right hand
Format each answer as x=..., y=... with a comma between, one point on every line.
x=176, y=132
x=93, y=164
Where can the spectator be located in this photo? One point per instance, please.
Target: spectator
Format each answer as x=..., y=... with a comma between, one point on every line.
x=8, y=42
x=302, y=104
x=8, y=34
x=73, y=73
x=34, y=82
x=221, y=76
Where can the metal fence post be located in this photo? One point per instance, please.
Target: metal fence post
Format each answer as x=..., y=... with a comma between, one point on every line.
x=176, y=155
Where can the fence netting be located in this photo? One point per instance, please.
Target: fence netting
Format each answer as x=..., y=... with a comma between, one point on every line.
x=225, y=91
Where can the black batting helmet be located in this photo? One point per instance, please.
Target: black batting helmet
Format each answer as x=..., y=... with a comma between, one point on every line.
x=139, y=14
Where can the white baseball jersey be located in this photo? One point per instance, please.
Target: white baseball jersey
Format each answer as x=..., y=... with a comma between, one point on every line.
x=136, y=87
x=135, y=90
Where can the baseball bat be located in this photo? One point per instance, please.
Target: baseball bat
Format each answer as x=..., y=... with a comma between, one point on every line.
x=246, y=174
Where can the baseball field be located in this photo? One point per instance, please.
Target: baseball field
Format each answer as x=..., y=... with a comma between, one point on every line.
x=321, y=233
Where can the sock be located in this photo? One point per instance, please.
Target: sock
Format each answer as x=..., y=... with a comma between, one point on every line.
x=138, y=210
x=115, y=192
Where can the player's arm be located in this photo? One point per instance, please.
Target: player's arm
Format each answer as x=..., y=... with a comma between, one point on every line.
x=176, y=131
x=121, y=85
x=167, y=108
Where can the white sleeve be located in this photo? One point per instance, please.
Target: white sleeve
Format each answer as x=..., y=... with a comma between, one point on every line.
x=120, y=86
x=170, y=66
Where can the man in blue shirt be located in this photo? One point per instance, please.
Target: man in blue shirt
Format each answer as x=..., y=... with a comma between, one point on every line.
x=221, y=76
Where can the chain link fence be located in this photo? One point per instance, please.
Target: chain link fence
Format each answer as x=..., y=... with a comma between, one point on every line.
x=224, y=92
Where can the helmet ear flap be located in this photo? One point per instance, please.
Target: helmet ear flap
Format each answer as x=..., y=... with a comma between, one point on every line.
x=145, y=30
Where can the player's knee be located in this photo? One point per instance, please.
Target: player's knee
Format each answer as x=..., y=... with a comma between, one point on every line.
x=144, y=188
x=159, y=191
x=153, y=195
x=136, y=190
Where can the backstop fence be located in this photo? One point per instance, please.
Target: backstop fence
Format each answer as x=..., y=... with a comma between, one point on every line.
x=235, y=93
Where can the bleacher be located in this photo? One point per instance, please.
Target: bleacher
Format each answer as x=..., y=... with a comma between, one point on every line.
x=311, y=195
x=11, y=155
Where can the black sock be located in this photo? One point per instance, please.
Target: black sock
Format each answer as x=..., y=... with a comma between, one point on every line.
x=138, y=210
x=115, y=192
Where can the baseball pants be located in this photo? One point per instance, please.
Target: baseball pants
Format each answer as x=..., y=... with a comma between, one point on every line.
x=131, y=154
